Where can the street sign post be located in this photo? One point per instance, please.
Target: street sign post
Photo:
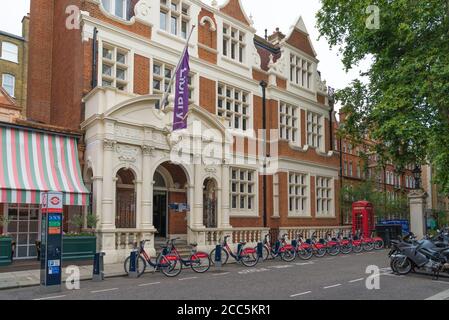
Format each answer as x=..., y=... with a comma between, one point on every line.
x=51, y=241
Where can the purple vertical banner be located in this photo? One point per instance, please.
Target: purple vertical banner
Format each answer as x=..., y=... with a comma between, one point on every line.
x=182, y=94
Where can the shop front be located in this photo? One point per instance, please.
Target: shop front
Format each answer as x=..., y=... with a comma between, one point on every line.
x=32, y=162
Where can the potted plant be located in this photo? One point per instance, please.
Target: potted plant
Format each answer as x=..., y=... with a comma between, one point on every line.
x=82, y=244
x=6, y=244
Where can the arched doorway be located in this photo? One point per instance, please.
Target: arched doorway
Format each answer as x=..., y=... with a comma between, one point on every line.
x=170, y=201
x=125, y=200
x=210, y=203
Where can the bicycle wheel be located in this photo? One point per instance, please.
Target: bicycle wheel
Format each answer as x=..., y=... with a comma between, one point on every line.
x=249, y=259
x=265, y=253
x=368, y=246
x=320, y=252
x=224, y=257
x=333, y=250
x=305, y=254
x=141, y=265
x=200, y=262
x=288, y=255
x=379, y=245
x=346, y=249
x=170, y=265
x=357, y=248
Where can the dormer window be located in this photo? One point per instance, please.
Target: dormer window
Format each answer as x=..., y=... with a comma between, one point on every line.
x=119, y=8
x=234, y=43
x=174, y=17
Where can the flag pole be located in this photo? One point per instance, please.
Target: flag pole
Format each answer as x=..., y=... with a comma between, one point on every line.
x=165, y=96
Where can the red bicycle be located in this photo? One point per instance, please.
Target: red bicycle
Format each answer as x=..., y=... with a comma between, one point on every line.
x=198, y=261
x=370, y=243
x=247, y=256
x=281, y=249
x=304, y=250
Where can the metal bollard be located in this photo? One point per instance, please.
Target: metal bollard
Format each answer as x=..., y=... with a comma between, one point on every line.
x=260, y=250
x=217, y=258
x=133, y=265
x=98, y=272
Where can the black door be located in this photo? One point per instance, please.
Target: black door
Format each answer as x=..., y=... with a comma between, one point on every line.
x=160, y=214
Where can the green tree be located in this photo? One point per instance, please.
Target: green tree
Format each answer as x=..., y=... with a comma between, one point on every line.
x=405, y=104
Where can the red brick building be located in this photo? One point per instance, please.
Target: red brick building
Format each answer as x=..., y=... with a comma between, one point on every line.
x=106, y=76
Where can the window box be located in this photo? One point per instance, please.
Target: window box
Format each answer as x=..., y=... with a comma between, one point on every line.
x=5, y=251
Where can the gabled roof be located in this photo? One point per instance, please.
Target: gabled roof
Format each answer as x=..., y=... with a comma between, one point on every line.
x=234, y=9
x=299, y=38
x=6, y=101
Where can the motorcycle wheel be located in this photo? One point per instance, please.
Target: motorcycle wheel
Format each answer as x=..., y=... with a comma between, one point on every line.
x=392, y=265
x=403, y=267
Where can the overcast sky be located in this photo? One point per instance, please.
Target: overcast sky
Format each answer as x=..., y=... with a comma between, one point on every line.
x=267, y=14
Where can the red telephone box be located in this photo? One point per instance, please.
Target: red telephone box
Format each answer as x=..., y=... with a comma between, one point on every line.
x=362, y=218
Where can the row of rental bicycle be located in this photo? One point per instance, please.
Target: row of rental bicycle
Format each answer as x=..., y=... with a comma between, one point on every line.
x=170, y=262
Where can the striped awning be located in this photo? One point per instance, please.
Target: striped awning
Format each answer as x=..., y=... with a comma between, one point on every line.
x=33, y=162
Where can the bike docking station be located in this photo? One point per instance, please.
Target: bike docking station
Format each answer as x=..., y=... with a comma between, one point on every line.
x=260, y=250
x=98, y=270
x=51, y=242
x=217, y=258
x=133, y=273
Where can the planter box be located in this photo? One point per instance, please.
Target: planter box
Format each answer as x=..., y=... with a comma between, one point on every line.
x=5, y=251
x=78, y=248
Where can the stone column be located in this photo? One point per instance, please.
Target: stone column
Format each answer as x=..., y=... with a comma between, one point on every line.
x=106, y=239
x=147, y=190
x=225, y=198
x=417, y=200
x=107, y=218
x=198, y=198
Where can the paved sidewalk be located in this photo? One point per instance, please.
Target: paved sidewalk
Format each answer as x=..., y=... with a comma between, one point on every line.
x=20, y=279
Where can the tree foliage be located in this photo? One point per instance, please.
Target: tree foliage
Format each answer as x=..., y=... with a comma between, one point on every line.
x=405, y=104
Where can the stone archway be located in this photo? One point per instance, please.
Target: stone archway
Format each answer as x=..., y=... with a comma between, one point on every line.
x=210, y=201
x=170, y=199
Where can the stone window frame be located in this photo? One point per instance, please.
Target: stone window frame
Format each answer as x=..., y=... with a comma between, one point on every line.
x=301, y=71
x=324, y=193
x=289, y=122
x=315, y=134
x=179, y=10
x=230, y=114
x=232, y=35
x=115, y=63
x=164, y=79
x=235, y=206
x=301, y=205
x=110, y=7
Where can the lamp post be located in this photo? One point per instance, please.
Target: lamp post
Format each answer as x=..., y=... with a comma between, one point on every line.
x=417, y=175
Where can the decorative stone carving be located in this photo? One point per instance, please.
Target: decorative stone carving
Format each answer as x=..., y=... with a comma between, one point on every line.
x=256, y=59
x=207, y=19
x=109, y=144
x=127, y=153
x=128, y=133
x=148, y=150
x=142, y=9
x=211, y=170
